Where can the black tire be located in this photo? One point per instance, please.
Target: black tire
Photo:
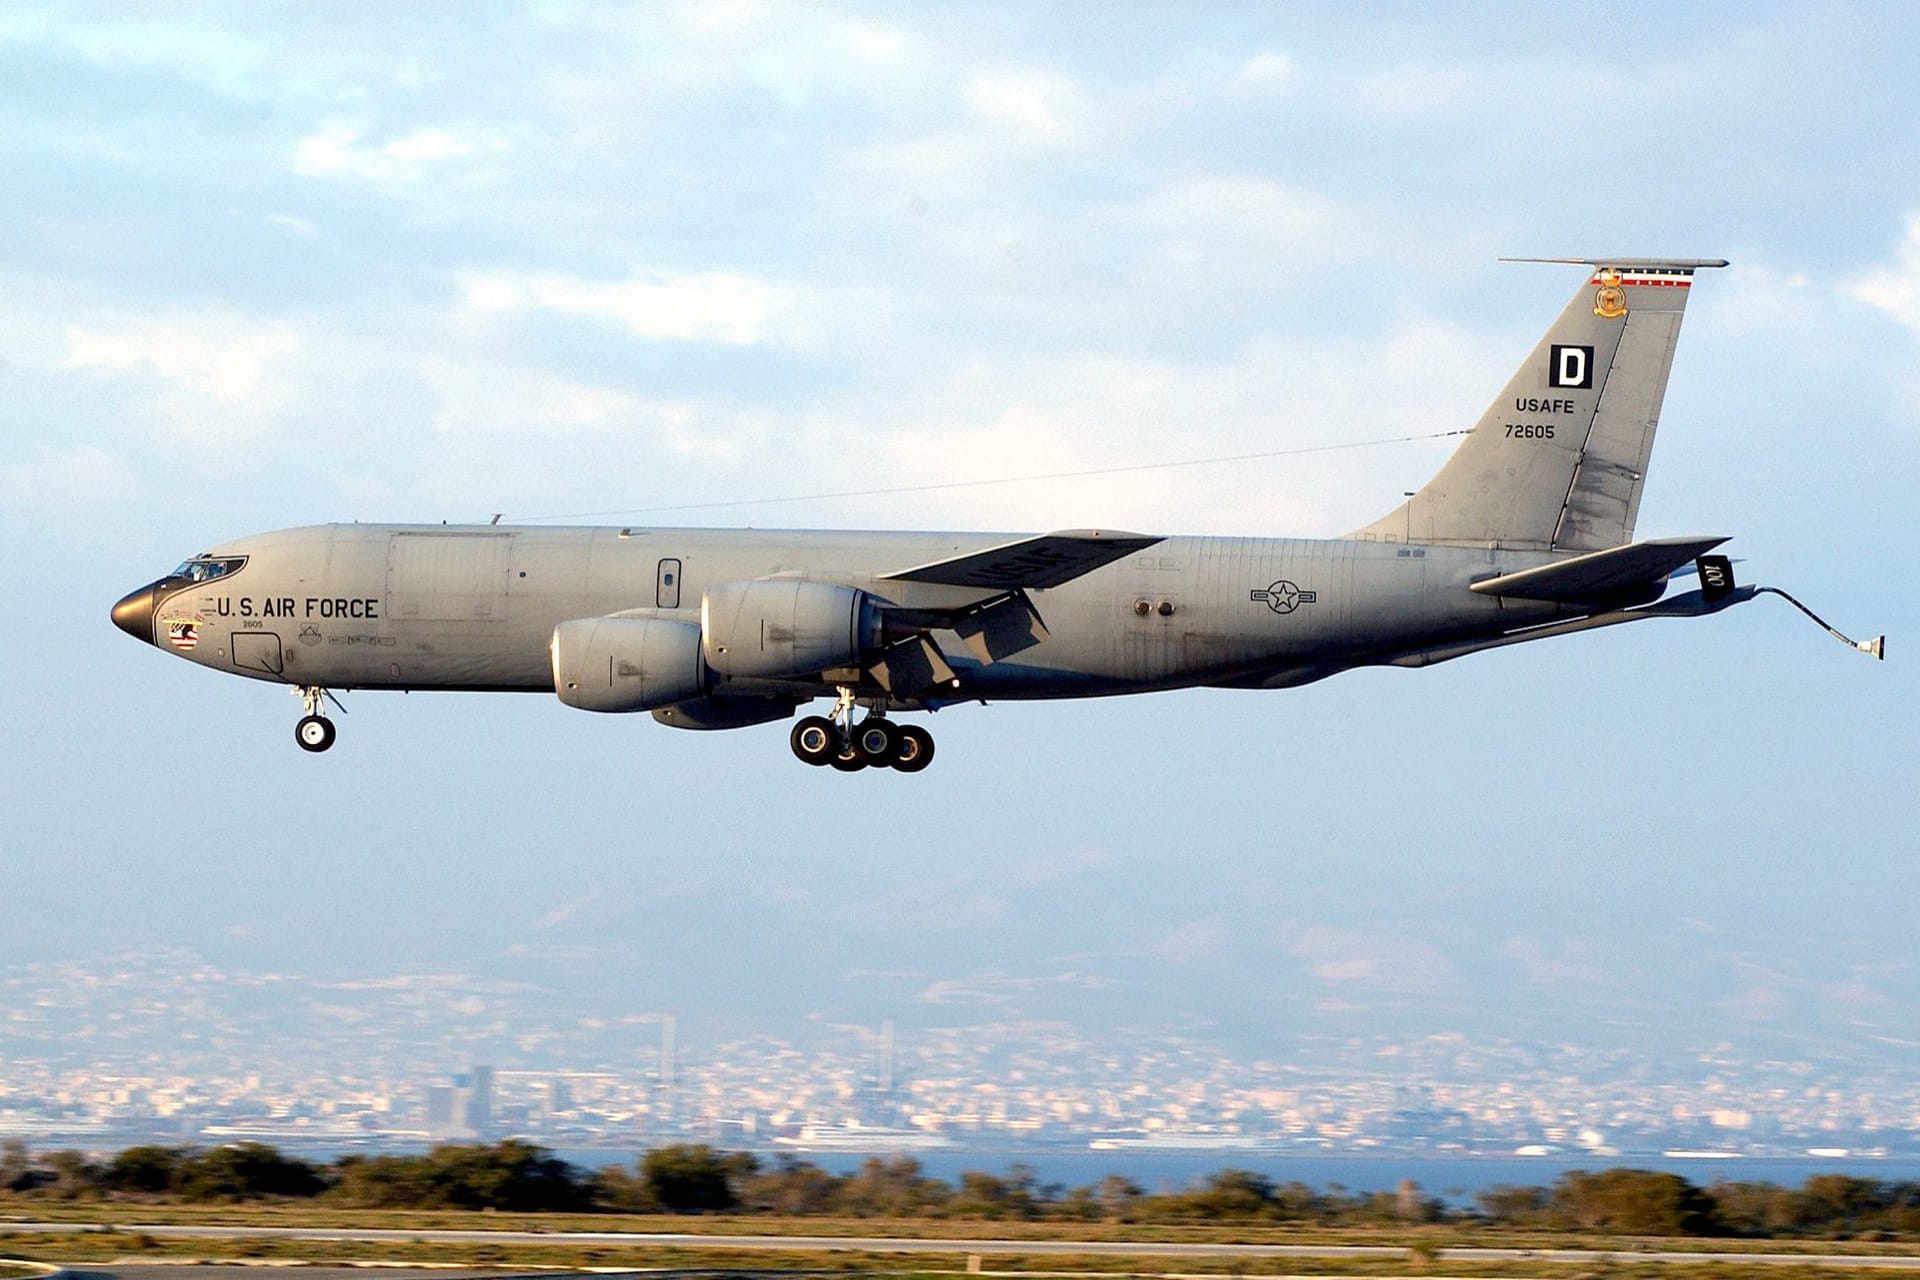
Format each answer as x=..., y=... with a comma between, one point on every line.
x=877, y=741
x=913, y=748
x=815, y=740
x=848, y=760
x=314, y=733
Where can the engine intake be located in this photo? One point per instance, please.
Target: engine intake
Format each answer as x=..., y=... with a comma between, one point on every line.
x=774, y=628
x=626, y=664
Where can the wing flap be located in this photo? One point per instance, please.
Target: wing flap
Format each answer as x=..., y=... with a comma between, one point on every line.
x=1600, y=574
x=1044, y=560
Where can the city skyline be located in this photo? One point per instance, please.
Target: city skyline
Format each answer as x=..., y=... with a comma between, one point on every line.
x=262, y=1063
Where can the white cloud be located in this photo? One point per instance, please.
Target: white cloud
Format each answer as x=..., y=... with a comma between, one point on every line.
x=338, y=150
x=1266, y=69
x=1036, y=107
x=476, y=401
x=223, y=357
x=878, y=46
x=1894, y=287
x=720, y=307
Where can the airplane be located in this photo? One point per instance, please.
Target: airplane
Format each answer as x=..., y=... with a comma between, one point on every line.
x=1524, y=534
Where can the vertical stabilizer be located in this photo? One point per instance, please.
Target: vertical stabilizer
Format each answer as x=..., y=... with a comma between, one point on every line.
x=1558, y=461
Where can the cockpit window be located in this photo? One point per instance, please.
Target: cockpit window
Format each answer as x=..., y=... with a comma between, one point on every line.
x=207, y=568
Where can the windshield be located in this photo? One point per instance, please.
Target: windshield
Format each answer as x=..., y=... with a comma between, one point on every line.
x=207, y=568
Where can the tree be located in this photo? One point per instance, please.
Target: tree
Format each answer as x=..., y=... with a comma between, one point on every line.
x=384, y=1182
x=892, y=1188
x=1512, y=1206
x=510, y=1176
x=1635, y=1202
x=614, y=1187
x=1232, y=1193
x=16, y=1166
x=693, y=1178
x=793, y=1187
x=145, y=1169
x=244, y=1171
x=1754, y=1208
x=1117, y=1196
x=70, y=1175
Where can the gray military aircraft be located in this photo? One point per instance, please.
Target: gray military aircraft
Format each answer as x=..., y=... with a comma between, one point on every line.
x=1524, y=534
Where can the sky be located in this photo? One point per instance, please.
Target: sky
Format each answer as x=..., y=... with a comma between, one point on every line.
x=268, y=265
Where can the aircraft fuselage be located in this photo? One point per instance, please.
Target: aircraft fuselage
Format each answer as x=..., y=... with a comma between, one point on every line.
x=357, y=606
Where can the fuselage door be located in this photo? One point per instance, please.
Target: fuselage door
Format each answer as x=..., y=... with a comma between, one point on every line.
x=257, y=651
x=666, y=587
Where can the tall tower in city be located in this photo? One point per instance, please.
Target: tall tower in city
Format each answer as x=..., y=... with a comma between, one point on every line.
x=464, y=1108
x=480, y=1101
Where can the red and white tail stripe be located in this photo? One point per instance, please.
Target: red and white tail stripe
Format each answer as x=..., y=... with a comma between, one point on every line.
x=1644, y=279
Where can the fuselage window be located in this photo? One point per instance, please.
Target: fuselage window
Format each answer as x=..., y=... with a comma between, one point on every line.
x=666, y=591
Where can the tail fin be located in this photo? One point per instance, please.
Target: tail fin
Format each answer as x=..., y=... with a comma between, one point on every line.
x=1557, y=462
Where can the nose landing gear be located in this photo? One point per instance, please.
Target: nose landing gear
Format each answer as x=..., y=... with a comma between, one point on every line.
x=314, y=732
x=875, y=743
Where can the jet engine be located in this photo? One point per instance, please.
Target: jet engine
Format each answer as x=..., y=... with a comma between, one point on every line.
x=773, y=628
x=627, y=664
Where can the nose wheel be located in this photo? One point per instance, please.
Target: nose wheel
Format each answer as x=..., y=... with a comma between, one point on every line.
x=315, y=732
x=874, y=743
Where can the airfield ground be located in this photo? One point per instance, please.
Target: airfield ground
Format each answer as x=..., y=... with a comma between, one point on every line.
x=122, y=1239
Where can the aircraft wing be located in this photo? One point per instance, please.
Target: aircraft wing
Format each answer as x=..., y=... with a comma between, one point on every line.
x=1600, y=573
x=1044, y=560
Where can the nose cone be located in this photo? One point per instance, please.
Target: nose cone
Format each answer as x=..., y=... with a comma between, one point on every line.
x=134, y=614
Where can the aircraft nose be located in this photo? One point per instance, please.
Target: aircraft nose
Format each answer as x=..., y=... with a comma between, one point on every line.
x=134, y=614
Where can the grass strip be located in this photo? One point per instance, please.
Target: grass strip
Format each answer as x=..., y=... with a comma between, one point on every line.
x=302, y=1215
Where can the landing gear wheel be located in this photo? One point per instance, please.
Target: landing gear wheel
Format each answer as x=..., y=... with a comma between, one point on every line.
x=314, y=733
x=848, y=760
x=877, y=741
x=815, y=740
x=912, y=748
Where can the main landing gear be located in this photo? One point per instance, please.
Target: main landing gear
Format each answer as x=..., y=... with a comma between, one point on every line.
x=314, y=732
x=875, y=743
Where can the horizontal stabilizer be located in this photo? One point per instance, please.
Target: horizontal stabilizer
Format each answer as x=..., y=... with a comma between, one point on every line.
x=1634, y=264
x=1600, y=574
x=1045, y=560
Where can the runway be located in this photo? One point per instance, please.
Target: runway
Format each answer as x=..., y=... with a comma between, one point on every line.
x=236, y=1271
x=954, y=1245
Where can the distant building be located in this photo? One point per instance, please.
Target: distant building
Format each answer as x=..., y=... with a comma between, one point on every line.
x=462, y=1110
x=439, y=1109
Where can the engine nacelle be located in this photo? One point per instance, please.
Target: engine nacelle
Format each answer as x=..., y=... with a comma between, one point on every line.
x=772, y=628
x=626, y=664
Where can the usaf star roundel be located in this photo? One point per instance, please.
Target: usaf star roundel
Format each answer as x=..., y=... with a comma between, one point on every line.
x=1284, y=597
